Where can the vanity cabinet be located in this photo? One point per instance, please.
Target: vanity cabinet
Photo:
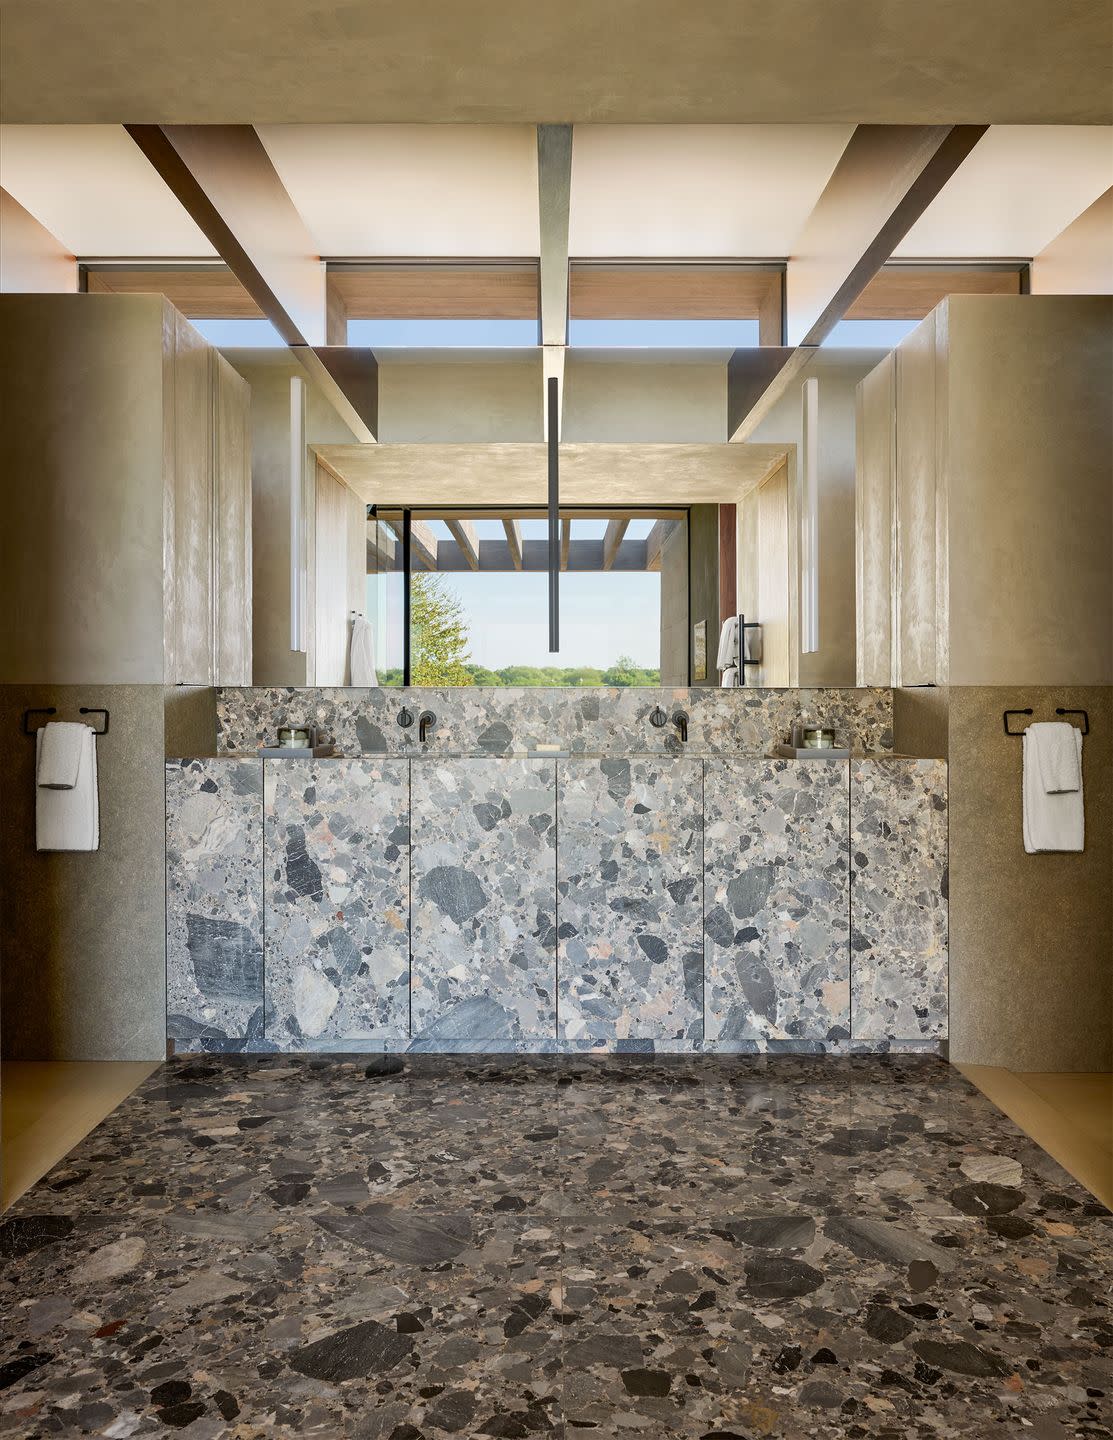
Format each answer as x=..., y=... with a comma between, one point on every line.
x=777, y=900
x=629, y=897
x=497, y=902
x=483, y=916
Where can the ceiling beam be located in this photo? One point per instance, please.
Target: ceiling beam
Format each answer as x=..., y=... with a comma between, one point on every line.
x=513, y=530
x=583, y=555
x=463, y=532
x=885, y=179
x=655, y=543
x=423, y=544
x=554, y=195
x=224, y=178
x=612, y=539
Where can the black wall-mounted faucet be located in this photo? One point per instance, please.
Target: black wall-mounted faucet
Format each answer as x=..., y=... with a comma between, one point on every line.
x=680, y=720
x=425, y=722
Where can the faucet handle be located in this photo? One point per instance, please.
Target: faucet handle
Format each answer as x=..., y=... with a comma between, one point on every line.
x=405, y=718
x=657, y=717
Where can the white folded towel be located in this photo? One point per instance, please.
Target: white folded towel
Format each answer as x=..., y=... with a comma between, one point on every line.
x=730, y=678
x=1055, y=820
x=728, y=644
x=1057, y=755
x=59, y=754
x=361, y=654
x=69, y=819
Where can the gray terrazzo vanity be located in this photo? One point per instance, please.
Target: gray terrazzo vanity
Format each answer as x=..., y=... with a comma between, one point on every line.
x=643, y=901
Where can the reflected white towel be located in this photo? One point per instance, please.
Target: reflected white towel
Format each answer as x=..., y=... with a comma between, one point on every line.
x=728, y=644
x=730, y=678
x=69, y=819
x=361, y=654
x=58, y=754
x=1057, y=755
x=1055, y=821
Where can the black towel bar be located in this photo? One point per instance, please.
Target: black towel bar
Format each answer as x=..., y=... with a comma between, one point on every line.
x=51, y=710
x=1059, y=710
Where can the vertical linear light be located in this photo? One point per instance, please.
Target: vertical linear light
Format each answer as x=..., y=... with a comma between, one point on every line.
x=297, y=518
x=552, y=398
x=809, y=520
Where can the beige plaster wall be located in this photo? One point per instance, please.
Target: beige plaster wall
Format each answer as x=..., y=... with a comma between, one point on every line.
x=1080, y=260
x=1030, y=489
x=1031, y=936
x=31, y=259
x=82, y=945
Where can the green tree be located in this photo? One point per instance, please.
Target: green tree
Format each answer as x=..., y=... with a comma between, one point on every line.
x=439, y=639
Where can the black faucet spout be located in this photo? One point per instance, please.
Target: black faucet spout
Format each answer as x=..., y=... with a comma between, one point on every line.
x=680, y=720
x=425, y=722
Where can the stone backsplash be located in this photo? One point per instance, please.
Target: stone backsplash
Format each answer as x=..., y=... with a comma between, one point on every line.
x=516, y=721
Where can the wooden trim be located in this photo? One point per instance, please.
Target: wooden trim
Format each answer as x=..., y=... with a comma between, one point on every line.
x=565, y=541
x=463, y=532
x=208, y=293
x=616, y=530
x=903, y=292
x=438, y=292
x=677, y=292
x=513, y=541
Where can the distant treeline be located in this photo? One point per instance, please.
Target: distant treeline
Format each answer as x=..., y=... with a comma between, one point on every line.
x=622, y=672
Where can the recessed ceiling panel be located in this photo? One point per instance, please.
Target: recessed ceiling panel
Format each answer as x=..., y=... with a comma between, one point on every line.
x=425, y=190
x=731, y=191
x=1020, y=186
x=96, y=192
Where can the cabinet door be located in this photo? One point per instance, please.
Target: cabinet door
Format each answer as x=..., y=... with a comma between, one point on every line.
x=777, y=900
x=337, y=846
x=629, y=862
x=484, y=900
x=214, y=904
x=898, y=812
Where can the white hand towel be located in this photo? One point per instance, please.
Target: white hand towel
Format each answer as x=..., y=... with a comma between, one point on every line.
x=69, y=819
x=1056, y=754
x=58, y=754
x=728, y=644
x=362, y=654
x=1055, y=821
x=730, y=678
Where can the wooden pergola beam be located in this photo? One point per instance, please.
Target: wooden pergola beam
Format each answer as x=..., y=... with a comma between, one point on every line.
x=612, y=539
x=514, y=541
x=463, y=532
x=565, y=541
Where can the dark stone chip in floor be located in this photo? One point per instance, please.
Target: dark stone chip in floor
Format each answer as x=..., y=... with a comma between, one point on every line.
x=961, y=1358
x=22, y=1365
x=384, y=1065
x=401, y=1234
x=366, y=1349
x=289, y=1194
x=1009, y=1227
x=647, y=1382
x=985, y=1198
x=772, y=1232
x=407, y=1324
x=170, y=1392
x=179, y=1416
x=776, y=1277
x=227, y=1404
x=888, y=1326
x=823, y=1356
x=24, y=1233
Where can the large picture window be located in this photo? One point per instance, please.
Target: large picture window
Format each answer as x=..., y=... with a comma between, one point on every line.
x=459, y=596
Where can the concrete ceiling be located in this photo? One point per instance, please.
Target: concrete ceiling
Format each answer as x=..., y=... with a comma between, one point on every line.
x=1019, y=188
x=93, y=189
x=697, y=190
x=633, y=61
x=515, y=474
x=411, y=189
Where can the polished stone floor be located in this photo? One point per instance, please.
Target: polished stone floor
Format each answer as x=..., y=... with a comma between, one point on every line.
x=631, y=1247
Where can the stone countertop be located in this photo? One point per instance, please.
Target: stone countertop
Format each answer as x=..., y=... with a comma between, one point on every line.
x=441, y=755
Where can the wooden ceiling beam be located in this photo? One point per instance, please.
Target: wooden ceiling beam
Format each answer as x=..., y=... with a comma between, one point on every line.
x=885, y=179
x=655, y=543
x=225, y=180
x=423, y=545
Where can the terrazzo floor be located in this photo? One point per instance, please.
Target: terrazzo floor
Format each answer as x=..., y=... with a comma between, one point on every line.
x=624, y=1247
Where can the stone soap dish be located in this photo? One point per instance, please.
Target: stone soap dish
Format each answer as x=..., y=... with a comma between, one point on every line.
x=815, y=752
